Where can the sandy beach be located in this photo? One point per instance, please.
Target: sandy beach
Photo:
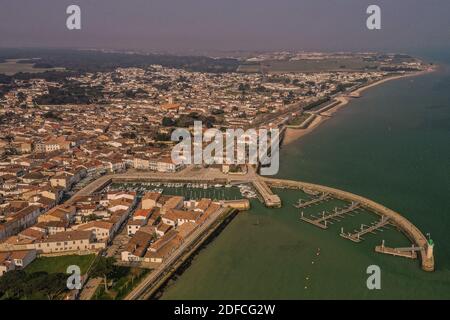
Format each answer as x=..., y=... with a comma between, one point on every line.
x=293, y=134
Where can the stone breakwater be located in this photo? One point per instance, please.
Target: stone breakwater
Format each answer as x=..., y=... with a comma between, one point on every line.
x=408, y=228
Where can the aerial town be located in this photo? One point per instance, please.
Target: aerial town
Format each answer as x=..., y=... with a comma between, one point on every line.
x=59, y=136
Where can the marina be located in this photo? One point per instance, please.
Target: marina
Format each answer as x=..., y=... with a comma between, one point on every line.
x=179, y=185
x=386, y=215
x=189, y=190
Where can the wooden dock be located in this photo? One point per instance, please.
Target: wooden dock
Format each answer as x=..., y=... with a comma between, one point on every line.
x=410, y=252
x=357, y=235
x=303, y=204
x=323, y=221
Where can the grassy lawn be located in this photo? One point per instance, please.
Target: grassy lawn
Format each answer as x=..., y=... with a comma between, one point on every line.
x=60, y=264
x=126, y=280
x=299, y=120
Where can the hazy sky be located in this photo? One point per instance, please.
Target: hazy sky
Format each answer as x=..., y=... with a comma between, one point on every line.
x=226, y=24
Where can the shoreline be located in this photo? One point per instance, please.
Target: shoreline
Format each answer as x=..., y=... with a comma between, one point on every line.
x=292, y=134
x=185, y=263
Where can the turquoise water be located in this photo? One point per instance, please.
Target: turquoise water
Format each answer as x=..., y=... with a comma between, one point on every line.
x=391, y=145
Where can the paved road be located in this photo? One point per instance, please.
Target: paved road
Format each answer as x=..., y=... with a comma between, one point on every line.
x=89, y=288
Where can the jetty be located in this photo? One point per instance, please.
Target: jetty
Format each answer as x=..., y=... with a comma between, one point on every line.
x=357, y=235
x=408, y=252
x=303, y=204
x=270, y=199
x=323, y=221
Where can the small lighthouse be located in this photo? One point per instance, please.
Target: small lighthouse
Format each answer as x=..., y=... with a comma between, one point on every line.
x=430, y=246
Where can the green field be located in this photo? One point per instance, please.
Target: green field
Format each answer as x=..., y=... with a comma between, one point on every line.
x=313, y=65
x=60, y=264
x=123, y=281
x=299, y=119
x=11, y=67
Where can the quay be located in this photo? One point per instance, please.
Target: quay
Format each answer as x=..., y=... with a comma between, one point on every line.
x=270, y=199
x=409, y=252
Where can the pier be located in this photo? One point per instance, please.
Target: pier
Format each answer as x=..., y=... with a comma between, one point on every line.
x=409, y=252
x=357, y=235
x=323, y=221
x=304, y=204
x=271, y=200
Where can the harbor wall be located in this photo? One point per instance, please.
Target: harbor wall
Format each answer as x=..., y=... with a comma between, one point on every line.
x=408, y=228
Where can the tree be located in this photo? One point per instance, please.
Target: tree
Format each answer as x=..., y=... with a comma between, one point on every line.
x=217, y=111
x=210, y=121
x=194, y=115
x=21, y=97
x=12, y=284
x=9, y=138
x=168, y=122
x=243, y=87
x=103, y=268
x=291, y=95
x=129, y=135
x=17, y=284
x=162, y=136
